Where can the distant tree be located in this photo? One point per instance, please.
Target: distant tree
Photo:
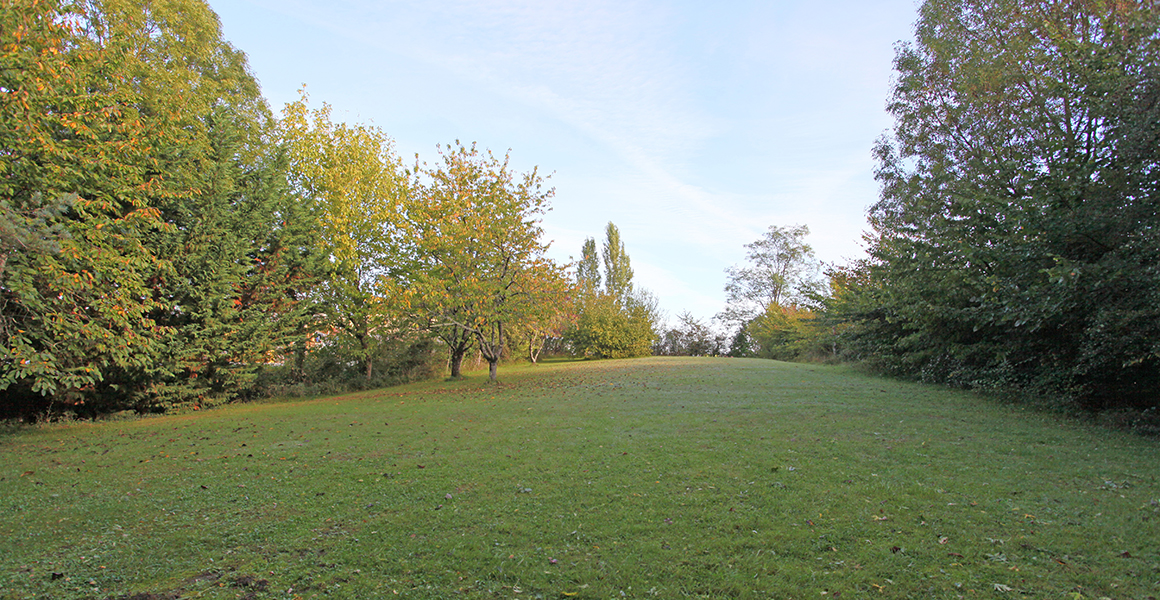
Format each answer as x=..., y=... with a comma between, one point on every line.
x=588, y=269
x=766, y=297
x=529, y=338
x=690, y=337
x=617, y=266
x=607, y=329
x=782, y=271
x=617, y=322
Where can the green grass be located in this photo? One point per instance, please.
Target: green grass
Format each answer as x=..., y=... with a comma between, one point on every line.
x=666, y=478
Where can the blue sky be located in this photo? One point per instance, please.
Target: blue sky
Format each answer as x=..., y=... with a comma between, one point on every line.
x=693, y=126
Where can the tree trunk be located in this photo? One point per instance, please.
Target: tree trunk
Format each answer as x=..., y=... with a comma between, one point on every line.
x=457, y=361
x=492, y=349
x=299, y=373
x=365, y=344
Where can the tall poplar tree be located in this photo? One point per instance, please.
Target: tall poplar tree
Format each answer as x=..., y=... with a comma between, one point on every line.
x=588, y=269
x=617, y=266
x=614, y=322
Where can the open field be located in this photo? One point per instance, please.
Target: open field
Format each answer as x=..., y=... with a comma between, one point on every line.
x=666, y=478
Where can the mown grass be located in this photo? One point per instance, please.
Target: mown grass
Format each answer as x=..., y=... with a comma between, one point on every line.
x=667, y=478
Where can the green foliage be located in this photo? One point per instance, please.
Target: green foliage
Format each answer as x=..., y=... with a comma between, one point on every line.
x=166, y=276
x=771, y=300
x=481, y=268
x=782, y=271
x=790, y=333
x=328, y=369
x=63, y=110
x=617, y=266
x=607, y=329
x=356, y=188
x=615, y=322
x=690, y=337
x=588, y=269
x=1015, y=244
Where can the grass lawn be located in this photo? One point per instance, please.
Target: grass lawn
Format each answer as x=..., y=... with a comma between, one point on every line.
x=659, y=477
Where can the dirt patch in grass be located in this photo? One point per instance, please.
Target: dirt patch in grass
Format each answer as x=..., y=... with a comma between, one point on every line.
x=250, y=585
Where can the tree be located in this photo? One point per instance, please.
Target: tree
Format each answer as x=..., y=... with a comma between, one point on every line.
x=133, y=136
x=782, y=271
x=1017, y=240
x=616, y=322
x=358, y=188
x=691, y=337
x=766, y=299
x=238, y=261
x=481, y=266
x=617, y=266
x=529, y=338
x=588, y=269
x=607, y=329
x=70, y=214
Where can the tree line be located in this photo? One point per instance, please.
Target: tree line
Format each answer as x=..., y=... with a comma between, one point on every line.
x=166, y=241
x=1016, y=243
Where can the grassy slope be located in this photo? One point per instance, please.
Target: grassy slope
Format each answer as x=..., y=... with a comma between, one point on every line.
x=655, y=477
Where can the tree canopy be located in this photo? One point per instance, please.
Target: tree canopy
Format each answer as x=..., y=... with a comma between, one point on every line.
x=1017, y=240
x=355, y=184
x=481, y=267
x=617, y=322
x=782, y=271
x=144, y=255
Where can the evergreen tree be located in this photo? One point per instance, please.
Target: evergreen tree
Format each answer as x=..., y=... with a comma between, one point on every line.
x=152, y=128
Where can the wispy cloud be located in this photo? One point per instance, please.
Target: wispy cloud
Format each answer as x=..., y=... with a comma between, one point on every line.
x=692, y=126
x=603, y=68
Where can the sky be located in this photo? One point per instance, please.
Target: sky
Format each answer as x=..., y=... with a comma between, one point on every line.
x=693, y=126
